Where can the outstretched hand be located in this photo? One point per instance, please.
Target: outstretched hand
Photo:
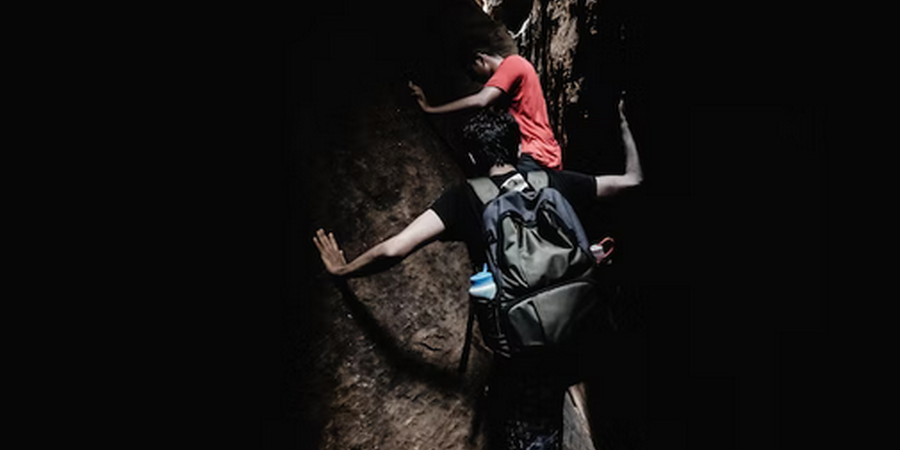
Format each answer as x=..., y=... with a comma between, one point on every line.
x=332, y=255
x=622, y=108
x=419, y=94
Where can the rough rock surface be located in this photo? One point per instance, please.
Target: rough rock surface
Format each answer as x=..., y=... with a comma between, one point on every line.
x=372, y=363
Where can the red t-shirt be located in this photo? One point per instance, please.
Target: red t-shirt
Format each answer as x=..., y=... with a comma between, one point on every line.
x=516, y=77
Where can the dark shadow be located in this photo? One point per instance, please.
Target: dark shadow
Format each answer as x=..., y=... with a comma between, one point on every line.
x=339, y=63
x=402, y=359
x=513, y=13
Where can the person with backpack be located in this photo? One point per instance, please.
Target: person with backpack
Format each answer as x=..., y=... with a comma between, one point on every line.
x=523, y=234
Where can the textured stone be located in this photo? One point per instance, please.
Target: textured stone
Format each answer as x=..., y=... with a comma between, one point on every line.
x=377, y=358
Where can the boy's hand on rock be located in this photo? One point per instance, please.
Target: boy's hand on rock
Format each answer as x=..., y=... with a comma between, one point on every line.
x=418, y=94
x=332, y=256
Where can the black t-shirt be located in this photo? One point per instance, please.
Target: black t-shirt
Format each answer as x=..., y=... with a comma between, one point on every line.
x=460, y=209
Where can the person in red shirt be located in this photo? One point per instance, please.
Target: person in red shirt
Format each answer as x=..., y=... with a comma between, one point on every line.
x=512, y=77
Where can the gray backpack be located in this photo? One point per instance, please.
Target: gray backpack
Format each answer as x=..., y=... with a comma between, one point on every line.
x=540, y=258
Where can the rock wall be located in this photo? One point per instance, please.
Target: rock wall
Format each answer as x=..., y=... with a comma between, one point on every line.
x=372, y=363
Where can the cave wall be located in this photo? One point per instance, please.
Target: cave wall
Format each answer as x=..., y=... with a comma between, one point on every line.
x=352, y=378
x=372, y=363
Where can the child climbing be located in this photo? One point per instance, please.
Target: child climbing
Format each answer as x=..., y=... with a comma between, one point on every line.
x=514, y=79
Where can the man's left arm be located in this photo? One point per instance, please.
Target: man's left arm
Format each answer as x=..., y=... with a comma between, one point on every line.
x=382, y=256
x=608, y=185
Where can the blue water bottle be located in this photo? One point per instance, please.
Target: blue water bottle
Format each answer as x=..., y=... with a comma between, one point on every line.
x=483, y=284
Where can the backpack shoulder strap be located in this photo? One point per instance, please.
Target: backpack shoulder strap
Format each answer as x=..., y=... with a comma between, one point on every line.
x=484, y=188
x=467, y=344
x=538, y=179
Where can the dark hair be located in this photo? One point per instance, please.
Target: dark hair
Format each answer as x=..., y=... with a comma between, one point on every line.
x=492, y=138
x=470, y=48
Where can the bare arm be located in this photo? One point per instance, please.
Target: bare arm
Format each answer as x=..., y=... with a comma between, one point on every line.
x=479, y=99
x=382, y=256
x=608, y=185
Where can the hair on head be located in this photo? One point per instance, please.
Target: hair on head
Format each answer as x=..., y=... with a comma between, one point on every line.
x=492, y=138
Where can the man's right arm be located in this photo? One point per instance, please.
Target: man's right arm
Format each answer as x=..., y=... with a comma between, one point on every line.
x=608, y=185
x=480, y=99
x=382, y=256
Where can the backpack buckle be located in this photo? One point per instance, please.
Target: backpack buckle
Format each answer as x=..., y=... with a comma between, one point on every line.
x=515, y=183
